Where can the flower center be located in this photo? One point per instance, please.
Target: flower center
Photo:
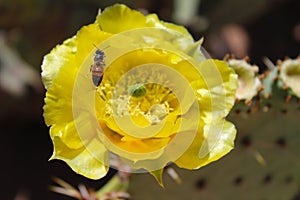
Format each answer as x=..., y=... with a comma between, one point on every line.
x=148, y=109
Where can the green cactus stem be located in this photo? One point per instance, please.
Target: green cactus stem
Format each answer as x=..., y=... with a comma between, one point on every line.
x=264, y=164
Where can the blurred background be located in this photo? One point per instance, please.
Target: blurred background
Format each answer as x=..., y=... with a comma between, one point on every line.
x=30, y=29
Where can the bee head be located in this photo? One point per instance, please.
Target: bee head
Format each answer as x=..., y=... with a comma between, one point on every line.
x=99, y=56
x=99, y=52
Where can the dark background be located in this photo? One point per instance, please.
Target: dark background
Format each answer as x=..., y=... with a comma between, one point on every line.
x=32, y=28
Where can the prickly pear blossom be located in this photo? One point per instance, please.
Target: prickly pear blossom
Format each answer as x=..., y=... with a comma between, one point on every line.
x=159, y=100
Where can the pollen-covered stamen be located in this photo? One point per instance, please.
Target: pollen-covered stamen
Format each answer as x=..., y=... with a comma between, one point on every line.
x=105, y=91
x=157, y=113
x=154, y=106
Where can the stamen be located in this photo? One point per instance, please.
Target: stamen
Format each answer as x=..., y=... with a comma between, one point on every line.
x=139, y=94
x=154, y=105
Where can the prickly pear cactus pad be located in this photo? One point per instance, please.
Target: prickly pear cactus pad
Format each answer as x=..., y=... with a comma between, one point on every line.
x=265, y=164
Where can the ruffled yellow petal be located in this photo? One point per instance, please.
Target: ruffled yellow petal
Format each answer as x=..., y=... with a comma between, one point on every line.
x=88, y=38
x=212, y=142
x=125, y=19
x=67, y=134
x=131, y=149
x=153, y=20
x=58, y=101
x=216, y=92
x=122, y=17
x=86, y=161
x=60, y=56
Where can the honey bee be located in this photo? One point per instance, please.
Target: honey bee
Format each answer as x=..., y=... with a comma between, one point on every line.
x=97, y=68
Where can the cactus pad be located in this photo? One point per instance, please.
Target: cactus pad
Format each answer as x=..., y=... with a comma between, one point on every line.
x=265, y=164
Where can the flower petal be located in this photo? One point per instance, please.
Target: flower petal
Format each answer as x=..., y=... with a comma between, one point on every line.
x=216, y=91
x=118, y=18
x=126, y=19
x=58, y=101
x=60, y=56
x=134, y=149
x=86, y=161
x=63, y=64
x=84, y=124
x=88, y=37
x=67, y=134
x=153, y=20
x=212, y=144
x=158, y=176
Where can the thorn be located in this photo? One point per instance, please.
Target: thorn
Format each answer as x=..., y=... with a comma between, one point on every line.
x=268, y=63
x=65, y=191
x=83, y=191
x=63, y=184
x=173, y=174
x=116, y=195
x=259, y=158
x=200, y=41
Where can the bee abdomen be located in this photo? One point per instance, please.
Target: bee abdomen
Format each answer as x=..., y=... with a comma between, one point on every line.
x=97, y=79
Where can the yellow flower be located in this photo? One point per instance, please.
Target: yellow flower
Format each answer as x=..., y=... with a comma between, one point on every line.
x=159, y=100
x=290, y=75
